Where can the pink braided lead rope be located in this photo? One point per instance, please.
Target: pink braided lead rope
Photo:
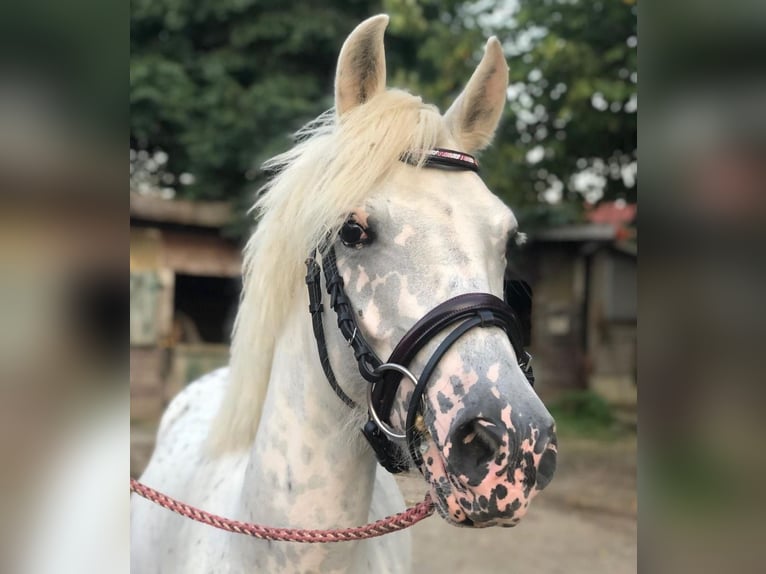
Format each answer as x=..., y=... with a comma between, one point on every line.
x=380, y=527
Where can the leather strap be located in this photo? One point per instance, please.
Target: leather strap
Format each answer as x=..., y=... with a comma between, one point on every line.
x=365, y=356
x=413, y=438
x=492, y=311
x=313, y=282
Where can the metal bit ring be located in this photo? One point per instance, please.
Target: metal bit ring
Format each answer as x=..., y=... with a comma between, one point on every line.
x=387, y=430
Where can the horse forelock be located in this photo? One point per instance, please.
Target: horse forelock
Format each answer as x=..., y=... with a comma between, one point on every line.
x=335, y=166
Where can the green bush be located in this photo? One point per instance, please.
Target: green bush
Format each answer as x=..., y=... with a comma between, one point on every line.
x=582, y=412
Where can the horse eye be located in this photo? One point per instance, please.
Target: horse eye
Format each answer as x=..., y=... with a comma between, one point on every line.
x=352, y=234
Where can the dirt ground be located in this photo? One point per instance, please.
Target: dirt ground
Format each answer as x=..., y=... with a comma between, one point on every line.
x=584, y=522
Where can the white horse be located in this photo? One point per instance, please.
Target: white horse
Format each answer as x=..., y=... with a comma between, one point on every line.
x=268, y=440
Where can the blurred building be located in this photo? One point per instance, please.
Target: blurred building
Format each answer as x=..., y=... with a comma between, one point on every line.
x=184, y=289
x=584, y=320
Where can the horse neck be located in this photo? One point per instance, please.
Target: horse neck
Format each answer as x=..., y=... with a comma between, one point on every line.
x=306, y=467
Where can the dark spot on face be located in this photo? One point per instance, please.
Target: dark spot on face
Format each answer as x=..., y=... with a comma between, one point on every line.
x=501, y=491
x=483, y=501
x=457, y=385
x=430, y=460
x=456, y=484
x=465, y=504
x=457, y=255
x=530, y=472
x=445, y=404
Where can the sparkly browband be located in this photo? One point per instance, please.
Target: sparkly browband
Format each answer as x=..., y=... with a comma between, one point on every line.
x=441, y=157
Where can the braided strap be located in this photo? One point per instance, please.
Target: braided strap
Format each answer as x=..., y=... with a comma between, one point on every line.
x=380, y=527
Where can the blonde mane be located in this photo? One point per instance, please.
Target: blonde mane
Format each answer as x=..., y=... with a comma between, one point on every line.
x=334, y=169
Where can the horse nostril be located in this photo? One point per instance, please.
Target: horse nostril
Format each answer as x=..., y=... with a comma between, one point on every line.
x=546, y=469
x=547, y=465
x=475, y=443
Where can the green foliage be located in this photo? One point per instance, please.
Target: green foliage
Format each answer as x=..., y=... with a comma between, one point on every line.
x=583, y=412
x=221, y=86
x=432, y=49
x=574, y=98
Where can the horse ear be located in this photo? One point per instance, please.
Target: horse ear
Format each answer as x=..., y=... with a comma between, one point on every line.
x=474, y=115
x=361, y=65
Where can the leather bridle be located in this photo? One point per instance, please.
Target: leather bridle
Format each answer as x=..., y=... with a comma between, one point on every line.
x=467, y=311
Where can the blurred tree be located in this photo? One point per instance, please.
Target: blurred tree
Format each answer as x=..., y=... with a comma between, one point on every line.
x=217, y=87
x=570, y=134
x=432, y=47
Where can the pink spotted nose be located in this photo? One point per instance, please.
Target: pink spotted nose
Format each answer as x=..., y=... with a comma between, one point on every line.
x=498, y=469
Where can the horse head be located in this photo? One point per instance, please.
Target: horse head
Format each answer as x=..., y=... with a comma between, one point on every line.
x=479, y=434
